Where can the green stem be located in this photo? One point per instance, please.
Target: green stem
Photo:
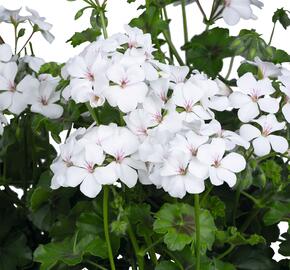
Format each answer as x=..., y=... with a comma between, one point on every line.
x=96, y=265
x=174, y=258
x=249, y=219
x=201, y=10
x=230, y=68
x=272, y=34
x=151, y=251
x=149, y=247
x=93, y=113
x=235, y=208
x=106, y=226
x=229, y=250
x=133, y=240
x=169, y=34
x=15, y=39
x=185, y=31
x=25, y=44
x=197, y=230
x=205, y=195
x=249, y=196
x=172, y=47
x=103, y=20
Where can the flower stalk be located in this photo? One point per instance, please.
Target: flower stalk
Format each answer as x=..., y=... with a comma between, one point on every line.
x=106, y=226
x=197, y=230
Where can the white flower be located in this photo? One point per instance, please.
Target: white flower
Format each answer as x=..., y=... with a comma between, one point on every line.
x=129, y=88
x=42, y=95
x=286, y=90
x=120, y=146
x=253, y=97
x=178, y=74
x=266, y=69
x=220, y=169
x=188, y=143
x=231, y=138
x=187, y=95
x=3, y=122
x=61, y=164
x=33, y=62
x=11, y=16
x=84, y=170
x=264, y=140
x=11, y=96
x=177, y=178
x=5, y=52
x=160, y=88
x=88, y=78
x=43, y=26
x=236, y=9
x=138, y=122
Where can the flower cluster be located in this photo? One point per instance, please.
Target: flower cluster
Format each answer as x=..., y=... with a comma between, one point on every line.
x=170, y=137
x=38, y=23
x=17, y=92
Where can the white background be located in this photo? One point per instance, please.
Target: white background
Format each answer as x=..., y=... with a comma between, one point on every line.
x=61, y=14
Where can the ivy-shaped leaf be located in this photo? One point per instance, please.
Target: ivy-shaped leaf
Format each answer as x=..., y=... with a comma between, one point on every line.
x=177, y=222
x=206, y=51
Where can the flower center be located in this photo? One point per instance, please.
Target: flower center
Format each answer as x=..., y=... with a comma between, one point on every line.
x=158, y=118
x=90, y=77
x=266, y=130
x=254, y=95
x=188, y=106
x=181, y=171
x=216, y=163
x=90, y=167
x=142, y=131
x=120, y=156
x=124, y=82
x=44, y=101
x=12, y=87
x=227, y=3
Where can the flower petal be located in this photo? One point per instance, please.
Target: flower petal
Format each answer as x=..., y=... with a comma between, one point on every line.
x=261, y=146
x=248, y=112
x=249, y=132
x=234, y=162
x=227, y=176
x=278, y=143
x=90, y=187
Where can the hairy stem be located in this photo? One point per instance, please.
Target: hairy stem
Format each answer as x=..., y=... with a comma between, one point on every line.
x=133, y=240
x=184, y=18
x=172, y=47
x=197, y=230
x=106, y=226
x=272, y=34
x=92, y=112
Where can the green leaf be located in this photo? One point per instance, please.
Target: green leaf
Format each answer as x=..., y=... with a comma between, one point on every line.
x=278, y=210
x=21, y=32
x=206, y=51
x=14, y=252
x=166, y=265
x=250, y=258
x=48, y=255
x=39, y=196
x=150, y=22
x=234, y=237
x=177, y=222
x=52, y=68
x=220, y=265
x=284, y=247
x=140, y=214
x=88, y=35
x=281, y=15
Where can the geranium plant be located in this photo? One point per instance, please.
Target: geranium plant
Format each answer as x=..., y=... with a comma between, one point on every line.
x=164, y=161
